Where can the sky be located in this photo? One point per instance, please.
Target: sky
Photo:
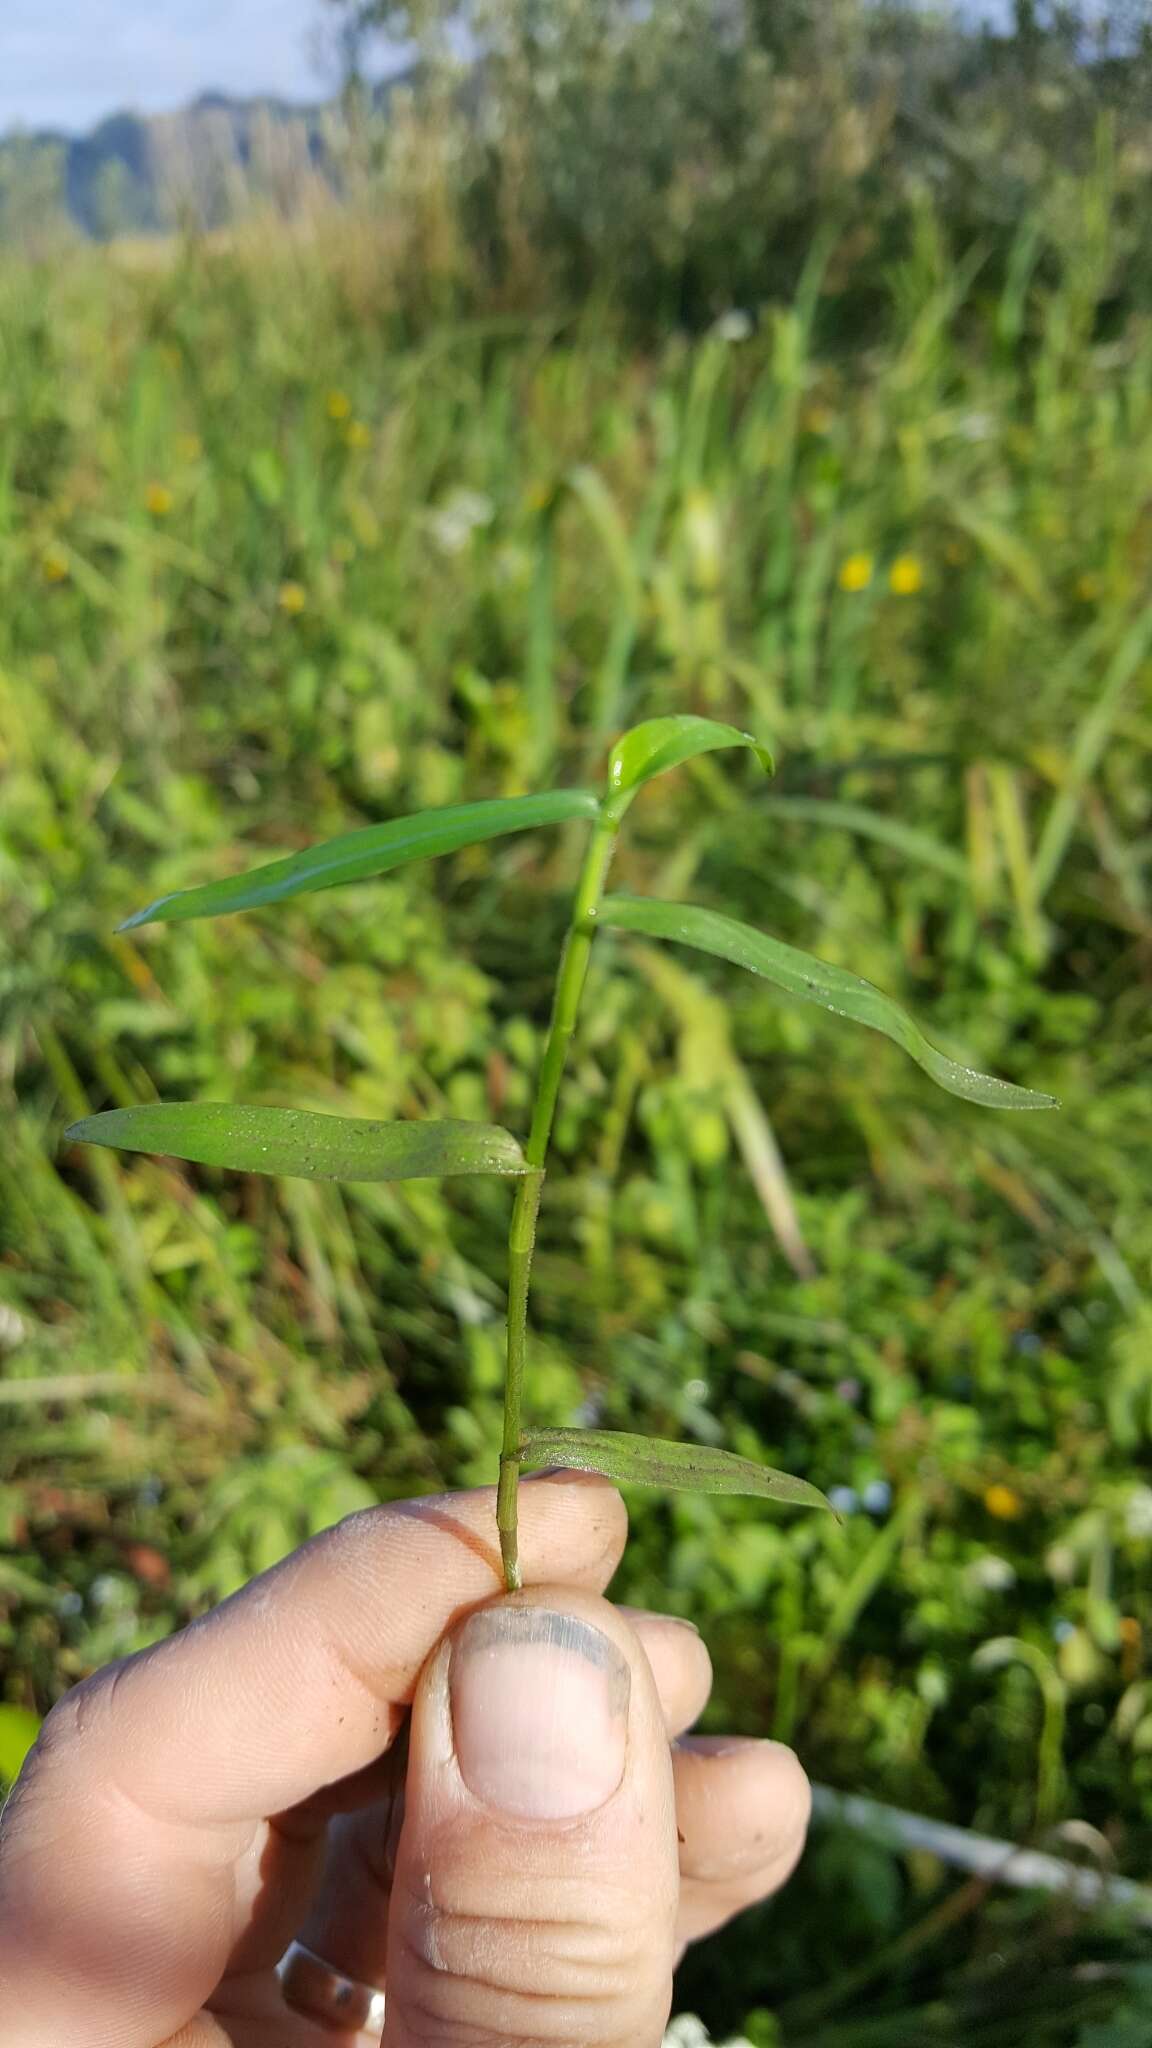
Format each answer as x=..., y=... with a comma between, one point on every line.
x=67, y=63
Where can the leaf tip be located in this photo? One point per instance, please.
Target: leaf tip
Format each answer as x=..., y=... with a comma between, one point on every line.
x=79, y=1132
x=1032, y=1099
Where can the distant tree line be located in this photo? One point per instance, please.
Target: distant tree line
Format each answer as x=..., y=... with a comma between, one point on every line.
x=673, y=160
x=685, y=156
x=146, y=175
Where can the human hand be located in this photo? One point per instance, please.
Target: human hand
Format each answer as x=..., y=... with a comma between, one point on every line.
x=520, y=1862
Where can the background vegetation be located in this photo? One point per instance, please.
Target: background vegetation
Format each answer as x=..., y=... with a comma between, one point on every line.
x=379, y=511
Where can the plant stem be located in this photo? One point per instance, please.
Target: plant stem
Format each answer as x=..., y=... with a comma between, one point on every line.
x=570, y=979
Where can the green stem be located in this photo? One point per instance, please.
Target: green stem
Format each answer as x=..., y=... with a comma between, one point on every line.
x=570, y=979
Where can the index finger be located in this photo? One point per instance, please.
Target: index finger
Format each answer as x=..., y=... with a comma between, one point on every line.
x=132, y=1853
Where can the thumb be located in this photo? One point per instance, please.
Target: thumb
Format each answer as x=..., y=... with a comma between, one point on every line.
x=536, y=1882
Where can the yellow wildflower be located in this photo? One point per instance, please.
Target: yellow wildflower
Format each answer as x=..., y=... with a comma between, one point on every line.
x=189, y=447
x=856, y=572
x=906, y=576
x=1088, y=588
x=292, y=598
x=817, y=418
x=159, y=500
x=357, y=435
x=339, y=405
x=54, y=565
x=1003, y=1502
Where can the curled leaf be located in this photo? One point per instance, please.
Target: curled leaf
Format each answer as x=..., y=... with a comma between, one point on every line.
x=663, y=743
x=816, y=981
x=653, y=1461
x=375, y=850
x=303, y=1143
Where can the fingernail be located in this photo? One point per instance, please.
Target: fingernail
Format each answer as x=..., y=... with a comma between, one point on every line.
x=679, y=1621
x=539, y=1711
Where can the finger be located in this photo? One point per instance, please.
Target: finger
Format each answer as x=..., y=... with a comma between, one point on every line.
x=742, y=1808
x=680, y=1665
x=536, y=1879
x=135, y=1861
x=348, y=1921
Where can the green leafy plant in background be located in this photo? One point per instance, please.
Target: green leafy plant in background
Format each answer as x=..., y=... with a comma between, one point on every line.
x=19, y=1727
x=321, y=1147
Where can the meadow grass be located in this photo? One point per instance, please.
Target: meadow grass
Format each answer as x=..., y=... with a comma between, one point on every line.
x=268, y=568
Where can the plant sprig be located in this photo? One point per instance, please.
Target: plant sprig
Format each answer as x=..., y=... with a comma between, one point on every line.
x=256, y=1139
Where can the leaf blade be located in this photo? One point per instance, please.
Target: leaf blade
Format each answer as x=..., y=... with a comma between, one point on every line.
x=815, y=981
x=660, y=744
x=373, y=850
x=655, y=1461
x=302, y=1144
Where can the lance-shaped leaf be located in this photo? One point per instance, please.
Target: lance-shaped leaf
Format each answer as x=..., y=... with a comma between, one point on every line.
x=652, y=1461
x=374, y=850
x=833, y=988
x=663, y=743
x=302, y=1143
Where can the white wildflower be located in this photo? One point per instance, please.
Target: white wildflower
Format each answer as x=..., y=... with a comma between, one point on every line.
x=976, y=426
x=735, y=325
x=991, y=1574
x=453, y=523
x=1138, y=1511
x=686, y=2033
x=111, y=1591
x=1061, y=1563
x=689, y=2032
x=13, y=1328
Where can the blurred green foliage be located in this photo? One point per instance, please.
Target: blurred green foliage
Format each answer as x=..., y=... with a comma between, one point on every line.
x=274, y=563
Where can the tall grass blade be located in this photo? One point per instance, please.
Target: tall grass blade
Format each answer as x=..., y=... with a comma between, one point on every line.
x=919, y=846
x=1091, y=740
x=1011, y=819
x=540, y=682
x=604, y=516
